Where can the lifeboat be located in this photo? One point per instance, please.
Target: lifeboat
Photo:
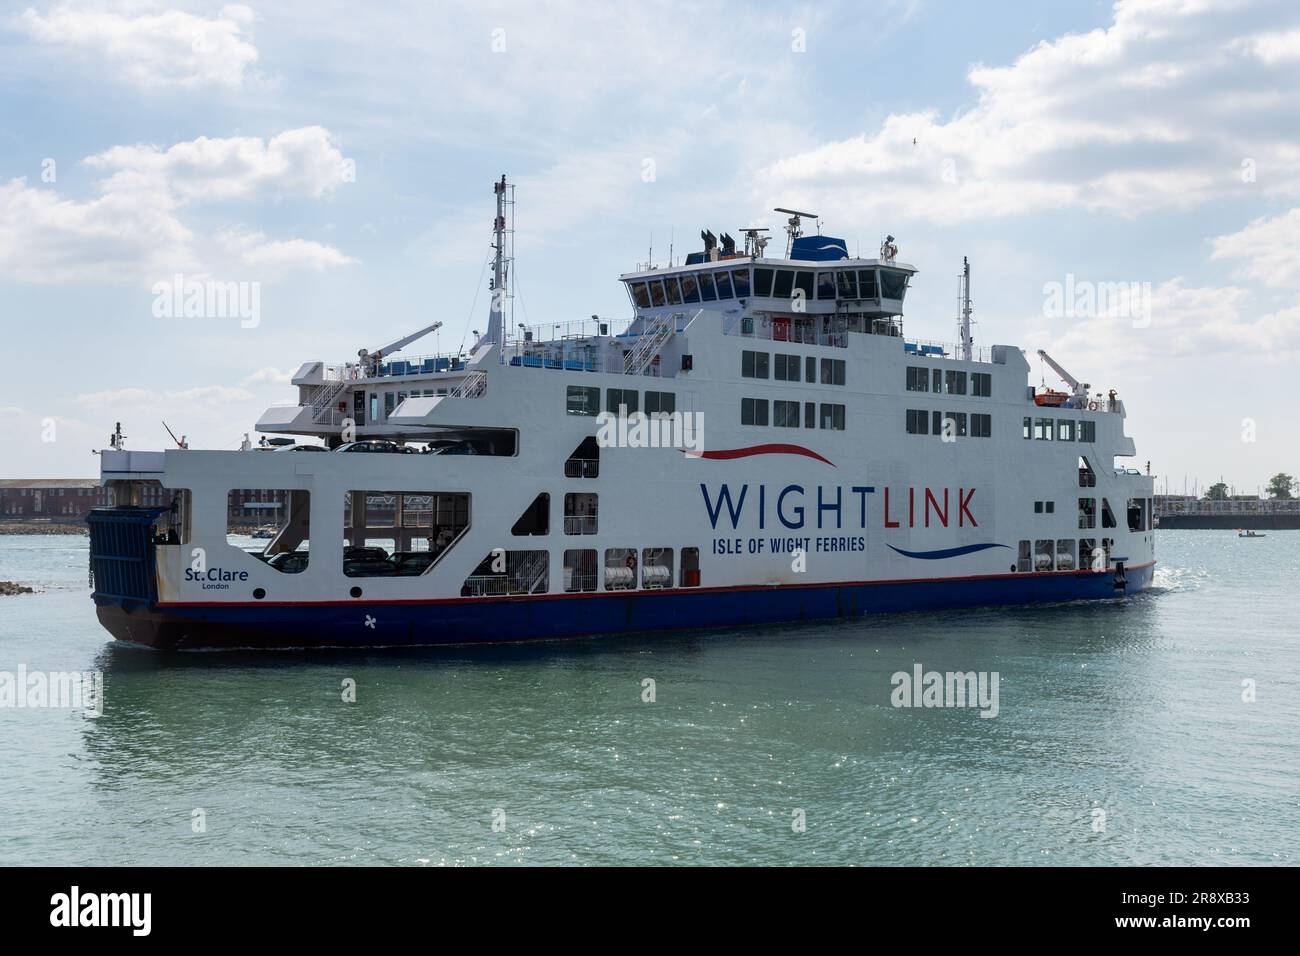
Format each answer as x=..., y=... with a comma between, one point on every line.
x=1051, y=398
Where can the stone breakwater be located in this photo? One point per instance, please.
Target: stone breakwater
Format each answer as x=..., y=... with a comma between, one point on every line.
x=42, y=527
x=9, y=589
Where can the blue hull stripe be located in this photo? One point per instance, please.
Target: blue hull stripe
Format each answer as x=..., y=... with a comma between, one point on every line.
x=486, y=620
x=948, y=552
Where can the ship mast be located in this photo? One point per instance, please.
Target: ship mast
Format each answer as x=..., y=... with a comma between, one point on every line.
x=501, y=264
x=967, y=348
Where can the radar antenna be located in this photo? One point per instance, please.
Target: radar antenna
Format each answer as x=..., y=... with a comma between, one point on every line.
x=793, y=226
x=755, y=242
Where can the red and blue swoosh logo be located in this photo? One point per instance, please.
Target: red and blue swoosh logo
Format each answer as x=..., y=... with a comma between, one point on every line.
x=728, y=454
x=947, y=552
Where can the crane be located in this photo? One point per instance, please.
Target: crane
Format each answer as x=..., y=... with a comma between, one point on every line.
x=1079, y=389
x=397, y=346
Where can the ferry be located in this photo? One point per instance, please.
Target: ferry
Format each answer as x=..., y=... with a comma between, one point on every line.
x=758, y=442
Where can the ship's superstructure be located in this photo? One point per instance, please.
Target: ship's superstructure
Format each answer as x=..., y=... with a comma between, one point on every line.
x=758, y=443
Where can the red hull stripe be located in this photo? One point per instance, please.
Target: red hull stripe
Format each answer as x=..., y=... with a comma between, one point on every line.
x=726, y=454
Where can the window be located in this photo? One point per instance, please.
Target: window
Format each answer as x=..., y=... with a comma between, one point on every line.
x=1065, y=429
x=1027, y=429
x=785, y=414
x=707, y=292
x=660, y=403
x=1089, y=556
x=918, y=421
x=753, y=411
x=401, y=533
x=641, y=295
x=833, y=417
x=283, y=514
x=724, y=284
x=690, y=567
x=388, y=404
x=918, y=379
x=690, y=289
x=674, y=291
x=1087, y=512
x=1087, y=431
x=1038, y=507
x=580, y=512
x=536, y=518
x=787, y=368
x=1049, y=507
x=1042, y=429
x=509, y=572
x=848, y=284
x=981, y=426
x=833, y=371
x=585, y=460
x=740, y=282
x=803, y=282
x=826, y=285
x=580, y=570
x=867, y=284
x=810, y=369
x=936, y=384
x=621, y=401
x=783, y=287
x=582, y=400
x=954, y=382
x=763, y=282
x=1107, y=516
x=981, y=384
x=753, y=364
x=657, y=568
x=809, y=414
x=957, y=427
x=893, y=285
x=657, y=292
x=620, y=569
x=1044, y=552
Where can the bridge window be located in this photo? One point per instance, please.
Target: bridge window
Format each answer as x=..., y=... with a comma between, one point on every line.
x=674, y=291
x=580, y=570
x=740, y=282
x=690, y=289
x=580, y=512
x=621, y=401
x=753, y=364
x=753, y=411
x=536, y=519
x=826, y=285
x=833, y=417
x=981, y=384
x=783, y=287
x=848, y=284
x=763, y=282
x=724, y=284
x=803, y=282
x=918, y=421
x=893, y=285
x=641, y=295
x=785, y=414
x=657, y=296
x=707, y=291
x=582, y=400
x=867, y=284
x=918, y=379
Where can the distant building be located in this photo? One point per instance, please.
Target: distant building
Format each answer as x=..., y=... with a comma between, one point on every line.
x=62, y=498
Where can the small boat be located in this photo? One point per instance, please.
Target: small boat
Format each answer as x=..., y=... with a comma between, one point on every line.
x=263, y=534
x=1250, y=534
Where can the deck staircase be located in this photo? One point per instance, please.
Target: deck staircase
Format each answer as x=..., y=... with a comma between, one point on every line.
x=322, y=403
x=471, y=386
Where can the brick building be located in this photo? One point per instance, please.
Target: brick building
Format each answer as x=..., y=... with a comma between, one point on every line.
x=68, y=499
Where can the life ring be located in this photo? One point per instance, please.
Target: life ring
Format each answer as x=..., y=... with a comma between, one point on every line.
x=1093, y=406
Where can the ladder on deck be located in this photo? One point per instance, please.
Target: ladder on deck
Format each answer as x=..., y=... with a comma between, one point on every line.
x=648, y=345
x=323, y=400
x=471, y=386
x=531, y=574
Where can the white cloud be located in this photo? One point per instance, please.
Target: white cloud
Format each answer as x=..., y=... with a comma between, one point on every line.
x=254, y=249
x=1156, y=111
x=169, y=48
x=298, y=162
x=269, y=375
x=1268, y=247
x=133, y=230
x=207, y=396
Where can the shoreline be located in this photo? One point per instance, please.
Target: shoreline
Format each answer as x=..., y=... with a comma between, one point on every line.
x=43, y=527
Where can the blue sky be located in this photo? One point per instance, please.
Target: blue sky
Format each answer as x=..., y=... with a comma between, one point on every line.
x=1153, y=142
